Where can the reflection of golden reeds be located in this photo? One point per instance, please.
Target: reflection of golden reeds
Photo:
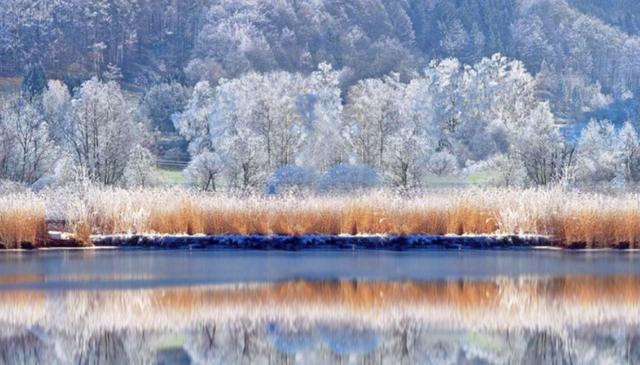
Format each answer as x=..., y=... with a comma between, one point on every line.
x=498, y=304
x=367, y=295
x=22, y=278
x=594, y=220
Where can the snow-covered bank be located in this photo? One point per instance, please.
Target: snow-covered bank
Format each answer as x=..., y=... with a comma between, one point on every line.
x=309, y=242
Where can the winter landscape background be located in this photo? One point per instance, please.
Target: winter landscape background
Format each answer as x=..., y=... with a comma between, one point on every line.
x=319, y=181
x=267, y=96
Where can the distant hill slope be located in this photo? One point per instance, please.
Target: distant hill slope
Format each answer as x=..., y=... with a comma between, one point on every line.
x=624, y=14
x=584, y=50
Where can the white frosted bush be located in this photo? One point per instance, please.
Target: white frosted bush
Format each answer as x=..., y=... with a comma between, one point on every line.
x=345, y=178
x=290, y=178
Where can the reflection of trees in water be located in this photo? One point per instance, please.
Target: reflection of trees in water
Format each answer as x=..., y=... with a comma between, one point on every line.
x=612, y=343
x=114, y=347
x=547, y=348
x=36, y=346
x=529, y=321
x=414, y=343
x=236, y=342
x=23, y=348
x=246, y=342
x=633, y=348
x=104, y=348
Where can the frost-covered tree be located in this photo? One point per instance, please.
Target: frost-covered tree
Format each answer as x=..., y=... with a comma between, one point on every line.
x=161, y=102
x=205, y=69
x=538, y=145
x=504, y=170
x=193, y=122
x=139, y=171
x=280, y=123
x=372, y=115
x=455, y=39
x=531, y=39
x=572, y=96
x=234, y=136
x=475, y=112
x=261, y=122
x=596, y=156
x=409, y=149
x=628, y=151
x=442, y=163
x=104, y=131
x=34, y=80
x=322, y=133
x=434, y=101
x=204, y=171
x=26, y=149
x=498, y=95
x=243, y=155
x=266, y=105
x=56, y=101
x=112, y=73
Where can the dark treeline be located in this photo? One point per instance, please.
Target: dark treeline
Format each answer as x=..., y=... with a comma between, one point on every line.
x=78, y=39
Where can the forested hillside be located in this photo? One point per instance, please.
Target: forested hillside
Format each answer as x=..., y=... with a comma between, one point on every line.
x=580, y=47
x=624, y=14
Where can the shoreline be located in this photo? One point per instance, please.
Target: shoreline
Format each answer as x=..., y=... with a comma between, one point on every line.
x=65, y=241
x=486, y=218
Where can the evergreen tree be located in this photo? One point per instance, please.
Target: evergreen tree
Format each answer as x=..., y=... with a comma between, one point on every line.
x=34, y=80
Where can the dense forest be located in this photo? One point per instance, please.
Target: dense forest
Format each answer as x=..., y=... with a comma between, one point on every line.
x=579, y=47
x=261, y=91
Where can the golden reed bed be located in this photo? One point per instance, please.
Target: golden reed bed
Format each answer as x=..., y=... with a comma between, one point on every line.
x=595, y=220
x=498, y=304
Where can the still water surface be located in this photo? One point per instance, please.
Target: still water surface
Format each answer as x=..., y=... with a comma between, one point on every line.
x=319, y=307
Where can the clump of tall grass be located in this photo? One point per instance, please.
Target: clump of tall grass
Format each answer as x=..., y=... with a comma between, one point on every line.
x=588, y=219
x=22, y=220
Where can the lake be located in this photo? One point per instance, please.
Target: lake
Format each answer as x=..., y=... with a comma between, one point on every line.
x=317, y=307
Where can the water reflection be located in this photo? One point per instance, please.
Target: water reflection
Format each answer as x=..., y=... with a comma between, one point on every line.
x=531, y=321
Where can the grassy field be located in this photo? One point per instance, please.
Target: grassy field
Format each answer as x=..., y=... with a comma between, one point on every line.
x=173, y=177
x=169, y=177
x=459, y=181
x=9, y=85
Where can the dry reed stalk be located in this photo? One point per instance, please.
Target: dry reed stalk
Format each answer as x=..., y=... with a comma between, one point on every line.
x=22, y=220
x=628, y=229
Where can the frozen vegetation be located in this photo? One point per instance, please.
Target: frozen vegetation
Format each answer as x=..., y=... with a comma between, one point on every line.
x=512, y=216
x=281, y=132
x=261, y=96
x=319, y=124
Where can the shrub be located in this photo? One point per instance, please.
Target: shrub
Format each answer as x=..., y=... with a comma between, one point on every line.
x=203, y=171
x=347, y=178
x=290, y=178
